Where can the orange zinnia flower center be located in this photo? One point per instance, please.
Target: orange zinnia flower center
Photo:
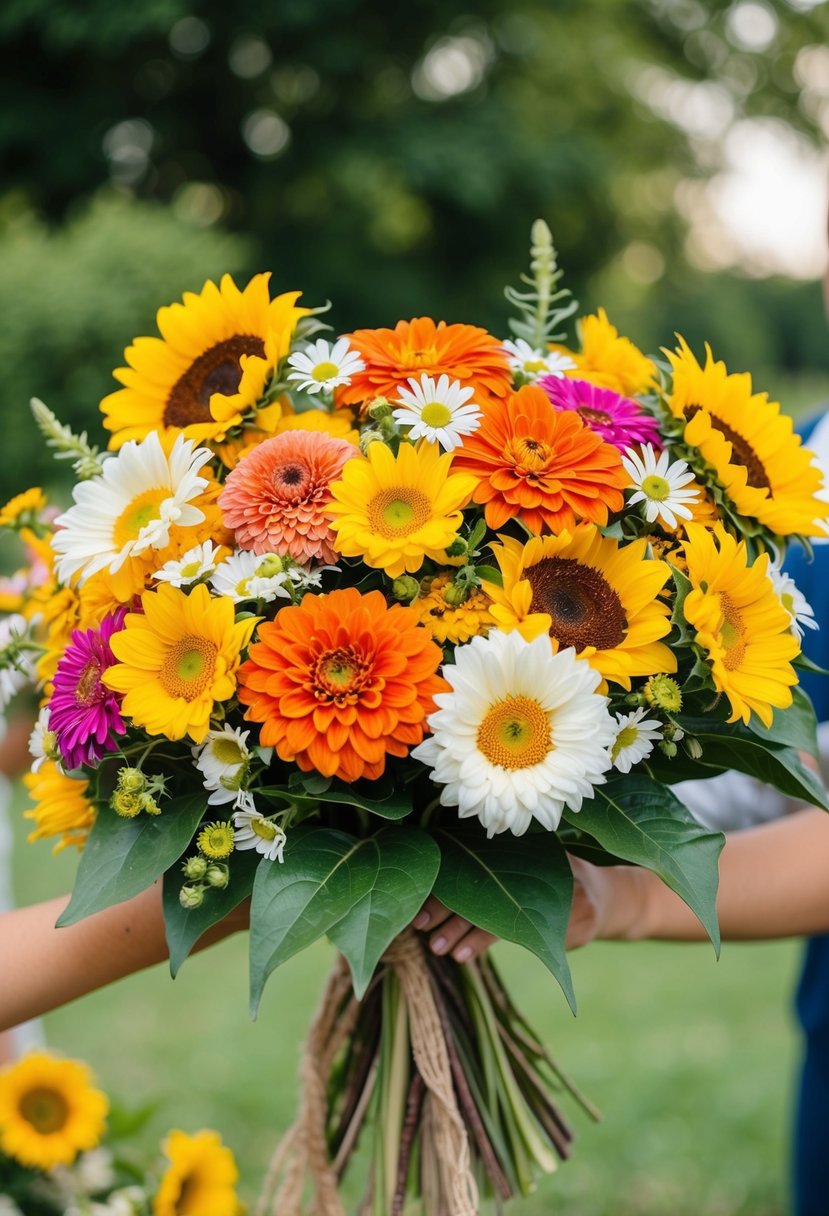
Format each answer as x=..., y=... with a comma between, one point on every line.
x=529, y=455
x=339, y=675
x=188, y=668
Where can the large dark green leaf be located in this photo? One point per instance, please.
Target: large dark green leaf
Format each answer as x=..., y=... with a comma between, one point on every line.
x=383, y=799
x=641, y=821
x=184, y=926
x=125, y=856
x=517, y=887
x=325, y=873
x=407, y=865
x=792, y=727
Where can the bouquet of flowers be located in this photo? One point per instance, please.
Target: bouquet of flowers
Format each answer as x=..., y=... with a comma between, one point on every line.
x=60, y=1154
x=336, y=625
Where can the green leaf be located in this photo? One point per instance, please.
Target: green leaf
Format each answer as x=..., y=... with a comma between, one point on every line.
x=792, y=727
x=407, y=864
x=640, y=820
x=383, y=799
x=123, y=857
x=325, y=873
x=184, y=926
x=490, y=574
x=517, y=887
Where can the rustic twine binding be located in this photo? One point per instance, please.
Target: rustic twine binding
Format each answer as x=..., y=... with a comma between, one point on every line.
x=302, y=1153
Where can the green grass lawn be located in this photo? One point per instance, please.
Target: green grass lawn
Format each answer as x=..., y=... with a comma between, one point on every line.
x=691, y=1061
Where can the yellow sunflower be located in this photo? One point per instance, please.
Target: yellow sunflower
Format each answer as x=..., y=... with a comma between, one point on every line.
x=394, y=511
x=740, y=624
x=49, y=1111
x=751, y=446
x=451, y=622
x=61, y=807
x=211, y=365
x=589, y=592
x=23, y=506
x=177, y=659
x=200, y=1179
x=608, y=359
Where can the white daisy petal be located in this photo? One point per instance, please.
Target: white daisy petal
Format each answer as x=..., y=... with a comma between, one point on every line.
x=527, y=361
x=194, y=566
x=664, y=487
x=222, y=759
x=437, y=411
x=793, y=600
x=254, y=831
x=321, y=368
x=635, y=739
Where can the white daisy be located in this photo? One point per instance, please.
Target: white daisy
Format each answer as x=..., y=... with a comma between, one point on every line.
x=530, y=363
x=793, y=600
x=522, y=735
x=43, y=742
x=661, y=485
x=254, y=831
x=251, y=576
x=223, y=760
x=196, y=564
x=437, y=411
x=130, y=507
x=322, y=367
x=16, y=668
x=635, y=739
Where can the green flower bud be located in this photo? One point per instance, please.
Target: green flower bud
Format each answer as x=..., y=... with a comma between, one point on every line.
x=387, y=428
x=668, y=748
x=368, y=438
x=131, y=780
x=149, y=804
x=191, y=896
x=458, y=548
x=663, y=693
x=405, y=589
x=217, y=876
x=693, y=747
x=379, y=409
x=455, y=594
x=195, y=868
x=127, y=805
x=270, y=566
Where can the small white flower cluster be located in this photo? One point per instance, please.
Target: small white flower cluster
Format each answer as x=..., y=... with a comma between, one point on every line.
x=224, y=760
x=321, y=368
x=793, y=600
x=255, y=576
x=527, y=361
x=16, y=670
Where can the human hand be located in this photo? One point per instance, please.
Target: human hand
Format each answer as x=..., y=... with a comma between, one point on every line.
x=609, y=903
x=451, y=934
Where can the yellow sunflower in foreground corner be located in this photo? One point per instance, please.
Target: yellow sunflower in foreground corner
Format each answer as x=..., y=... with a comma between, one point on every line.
x=751, y=446
x=740, y=624
x=49, y=1111
x=200, y=1179
x=177, y=659
x=589, y=592
x=212, y=363
x=394, y=511
x=607, y=359
x=61, y=807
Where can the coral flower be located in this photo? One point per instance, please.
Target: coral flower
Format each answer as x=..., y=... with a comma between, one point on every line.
x=546, y=468
x=85, y=714
x=276, y=497
x=393, y=356
x=341, y=681
x=618, y=420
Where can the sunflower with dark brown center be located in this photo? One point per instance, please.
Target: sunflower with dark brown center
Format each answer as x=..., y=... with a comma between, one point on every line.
x=590, y=593
x=750, y=446
x=210, y=366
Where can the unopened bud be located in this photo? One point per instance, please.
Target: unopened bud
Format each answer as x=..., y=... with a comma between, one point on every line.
x=149, y=804
x=127, y=805
x=668, y=748
x=663, y=693
x=379, y=409
x=693, y=747
x=191, y=896
x=131, y=780
x=270, y=566
x=195, y=869
x=217, y=876
x=456, y=594
x=368, y=438
x=405, y=589
x=458, y=548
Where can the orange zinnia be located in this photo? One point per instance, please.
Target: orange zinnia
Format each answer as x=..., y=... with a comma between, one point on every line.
x=340, y=681
x=545, y=467
x=412, y=348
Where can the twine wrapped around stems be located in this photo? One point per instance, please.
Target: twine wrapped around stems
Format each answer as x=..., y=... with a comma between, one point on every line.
x=302, y=1154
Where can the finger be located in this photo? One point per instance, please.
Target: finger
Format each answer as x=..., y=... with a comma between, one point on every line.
x=473, y=945
x=448, y=935
x=432, y=914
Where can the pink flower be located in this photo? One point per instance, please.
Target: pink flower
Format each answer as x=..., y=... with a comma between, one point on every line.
x=619, y=420
x=275, y=498
x=85, y=715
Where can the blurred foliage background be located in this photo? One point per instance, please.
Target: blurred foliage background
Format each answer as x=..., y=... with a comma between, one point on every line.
x=390, y=158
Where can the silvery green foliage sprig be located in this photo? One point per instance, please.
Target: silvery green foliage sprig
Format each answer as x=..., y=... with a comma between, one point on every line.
x=87, y=460
x=543, y=308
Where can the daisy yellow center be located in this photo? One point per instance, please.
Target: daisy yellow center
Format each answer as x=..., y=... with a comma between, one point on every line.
x=535, y=365
x=216, y=370
x=324, y=371
x=656, y=487
x=263, y=828
x=45, y=1109
x=190, y=570
x=625, y=738
x=515, y=733
x=398, y=512
x=227, y=751
x=140, y=512
x=732, y=633
x=435, y=413
x=188, y=669
x=584, y=609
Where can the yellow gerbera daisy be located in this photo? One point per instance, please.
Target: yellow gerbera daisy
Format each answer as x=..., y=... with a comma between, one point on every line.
x=200, y=1179
x=61, y=807
x=740, y=624
x=607, y=359
x=49, y=1111
x=177, y=659
x=455, y=623
x=589, y=592
x=211, y=365
x=394, y=511
x=29, y=503
x=751, y=446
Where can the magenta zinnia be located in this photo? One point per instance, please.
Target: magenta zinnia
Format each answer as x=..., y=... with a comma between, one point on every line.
x=275, y=499
x=85, y=715
x=618, y=420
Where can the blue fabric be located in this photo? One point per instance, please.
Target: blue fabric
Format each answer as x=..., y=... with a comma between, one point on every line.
x=810, y=1150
